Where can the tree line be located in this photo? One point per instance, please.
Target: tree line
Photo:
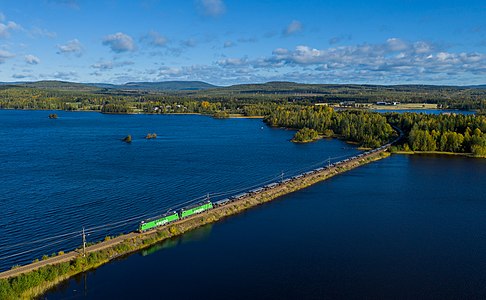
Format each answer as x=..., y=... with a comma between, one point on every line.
x=447, y=132
x=365, y=128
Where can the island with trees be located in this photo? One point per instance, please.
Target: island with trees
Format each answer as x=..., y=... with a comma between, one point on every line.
x=305, y=135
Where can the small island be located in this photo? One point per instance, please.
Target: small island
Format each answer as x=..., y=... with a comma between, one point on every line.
x=151, y=136
x=127, y=139
x=306, y=135
x=52, y=116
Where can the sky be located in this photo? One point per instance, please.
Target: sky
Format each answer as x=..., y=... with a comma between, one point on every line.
x=226, y=42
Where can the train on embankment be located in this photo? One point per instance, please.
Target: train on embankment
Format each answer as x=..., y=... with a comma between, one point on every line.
x=194, y=209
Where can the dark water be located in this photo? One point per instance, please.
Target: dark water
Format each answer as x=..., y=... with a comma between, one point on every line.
x=59, y=175
x=406, y=227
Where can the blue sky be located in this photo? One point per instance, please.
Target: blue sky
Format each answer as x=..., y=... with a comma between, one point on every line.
x=228, y=41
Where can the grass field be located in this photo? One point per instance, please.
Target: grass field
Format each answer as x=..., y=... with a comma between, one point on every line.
x=403, y=106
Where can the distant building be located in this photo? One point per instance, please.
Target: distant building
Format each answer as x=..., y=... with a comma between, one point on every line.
x=387, y=103
x=348, y=104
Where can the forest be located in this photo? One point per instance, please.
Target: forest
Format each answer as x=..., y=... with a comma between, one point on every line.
x=364, y=128
x=455, y=133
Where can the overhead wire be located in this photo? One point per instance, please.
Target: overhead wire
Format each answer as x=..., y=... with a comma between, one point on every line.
x=134, y=219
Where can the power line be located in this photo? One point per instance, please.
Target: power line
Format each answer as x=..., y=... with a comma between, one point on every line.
x=126, y=221
x=35, y=249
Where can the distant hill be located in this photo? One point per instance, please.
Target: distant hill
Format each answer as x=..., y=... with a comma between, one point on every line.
x=285, y=87
x=149, y=86
x=57, y=85
x=164, y=86
x=346, y=91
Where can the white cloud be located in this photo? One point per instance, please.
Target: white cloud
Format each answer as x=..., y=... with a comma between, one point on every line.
x=228, y=44
x=190, y=42
x=212, y=8
x=294, y=27
x=71, y=47
x=394, y=61
x=63, y=75
x=4, y=55
x=119, y=42
x=36, y=31
x=31, y=59
x=108, y=65
x=396, y=44
x=6, y=28
x=155, y=39
x=232, y=61
x=394, y=57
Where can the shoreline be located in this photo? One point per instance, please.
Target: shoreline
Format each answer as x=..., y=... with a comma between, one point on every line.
x=103, y=252
x=231, y=116
x=442, y=153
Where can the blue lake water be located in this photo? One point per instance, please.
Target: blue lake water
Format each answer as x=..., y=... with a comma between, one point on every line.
x=406, y=227
x=60, y=175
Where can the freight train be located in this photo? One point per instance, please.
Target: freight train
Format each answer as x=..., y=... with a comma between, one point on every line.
x=173, y=216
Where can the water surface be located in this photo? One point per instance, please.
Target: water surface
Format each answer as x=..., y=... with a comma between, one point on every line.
x=406, y=227
x=60, y=175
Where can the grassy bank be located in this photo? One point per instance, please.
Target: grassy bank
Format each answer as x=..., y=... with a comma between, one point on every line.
x=436, y=153
x=36, y=282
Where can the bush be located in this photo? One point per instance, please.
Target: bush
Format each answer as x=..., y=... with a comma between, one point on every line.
x=305, y=135
x=173, y=230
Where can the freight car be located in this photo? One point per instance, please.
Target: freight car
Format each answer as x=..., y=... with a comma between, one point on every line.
x=204, y=206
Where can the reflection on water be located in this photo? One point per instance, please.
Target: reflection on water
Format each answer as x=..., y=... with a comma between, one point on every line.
x=196, y=235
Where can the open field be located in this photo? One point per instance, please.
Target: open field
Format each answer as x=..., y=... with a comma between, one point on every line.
x=402, y=106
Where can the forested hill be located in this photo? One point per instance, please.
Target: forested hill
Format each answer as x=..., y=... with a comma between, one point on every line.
x=168, y=86
x=51, y=85
x=142, y=86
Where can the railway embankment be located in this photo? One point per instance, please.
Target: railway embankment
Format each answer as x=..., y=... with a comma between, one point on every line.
x=32, y=280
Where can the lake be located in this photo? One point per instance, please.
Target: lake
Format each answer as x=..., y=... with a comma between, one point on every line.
x=407, y=227
x=59, y=175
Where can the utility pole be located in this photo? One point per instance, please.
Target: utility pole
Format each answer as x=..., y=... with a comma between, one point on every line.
x=84, y=243
x=329, y=163
x=282, y=176
x=207, y=197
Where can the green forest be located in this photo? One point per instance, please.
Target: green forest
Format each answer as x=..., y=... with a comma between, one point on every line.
x=305, y=135
x=446, y=133
x=365, y=128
